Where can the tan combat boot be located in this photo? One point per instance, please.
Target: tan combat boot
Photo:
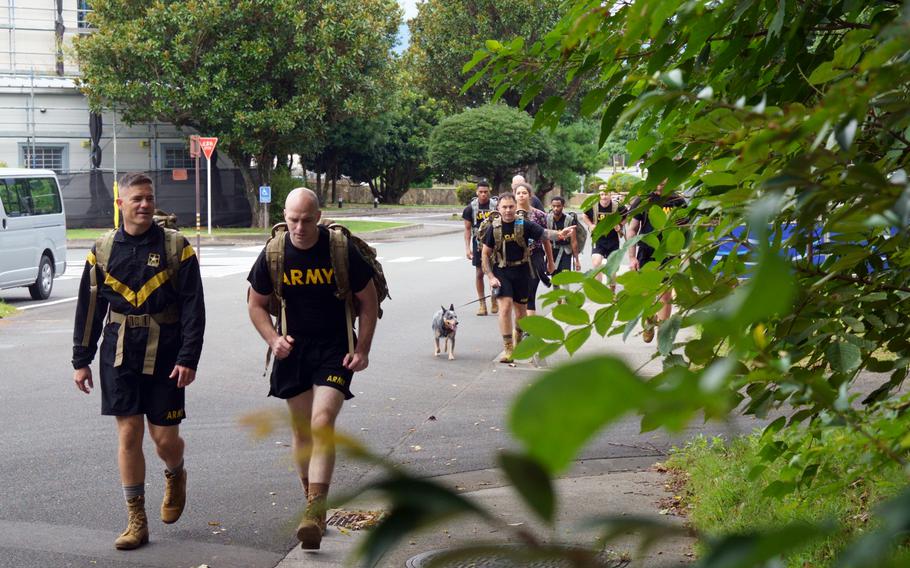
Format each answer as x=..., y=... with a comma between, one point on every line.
x=482, y=308
x=507, y=347
x=647, y=332
x=137, y=529
x=312, y=526
x=494, y=306
x=174, y=496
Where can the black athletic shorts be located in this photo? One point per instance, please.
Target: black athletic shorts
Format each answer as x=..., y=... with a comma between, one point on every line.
x=477, y=250
x=604, y=249
x=125, y=391
x=314, y=361
x=514, y=282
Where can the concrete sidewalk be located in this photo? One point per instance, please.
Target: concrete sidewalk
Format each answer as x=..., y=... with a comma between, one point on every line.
x=592, y=488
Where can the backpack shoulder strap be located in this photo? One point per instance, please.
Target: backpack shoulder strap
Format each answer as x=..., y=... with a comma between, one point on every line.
x=103, y=246
x=498, y=244
x=274, y=257
x=475, y=209
x=551, y=221
x=341, y=264
x=173, y=248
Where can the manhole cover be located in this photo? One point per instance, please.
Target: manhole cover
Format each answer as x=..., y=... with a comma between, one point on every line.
x=504, y=559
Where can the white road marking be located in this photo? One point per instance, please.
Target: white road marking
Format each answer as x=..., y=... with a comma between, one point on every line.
x=406, y=259
x=43, y=304
x=446, y=259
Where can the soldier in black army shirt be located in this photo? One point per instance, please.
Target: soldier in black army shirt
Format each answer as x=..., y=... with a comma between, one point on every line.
x=642, y=253
x=151, y=346
x=513, y=279
x=473, y=215
x=313, y=368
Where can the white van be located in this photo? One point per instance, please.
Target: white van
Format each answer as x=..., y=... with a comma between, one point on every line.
x=32, y=230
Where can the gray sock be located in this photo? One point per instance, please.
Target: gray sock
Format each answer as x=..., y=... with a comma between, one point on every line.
x=175, y=470
x=130, y=491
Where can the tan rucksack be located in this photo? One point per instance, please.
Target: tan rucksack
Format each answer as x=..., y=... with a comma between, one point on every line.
x=499, y=244
x=339, y=236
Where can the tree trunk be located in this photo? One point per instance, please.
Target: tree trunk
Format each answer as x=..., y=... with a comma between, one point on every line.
x=252, y=191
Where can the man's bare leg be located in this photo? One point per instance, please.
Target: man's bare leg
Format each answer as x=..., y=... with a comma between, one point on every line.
x=170, y=446
x=327, y=403
x=131, y=461
x=479, y=286
x=596, y=261
x=505, y=328
x=301, y=410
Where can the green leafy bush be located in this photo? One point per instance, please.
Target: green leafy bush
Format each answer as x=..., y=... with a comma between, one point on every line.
x=733, y=487
x=622, y=183
x=591, y=183
x=465, y=192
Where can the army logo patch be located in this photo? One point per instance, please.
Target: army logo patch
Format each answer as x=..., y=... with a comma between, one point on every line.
x=154, y=259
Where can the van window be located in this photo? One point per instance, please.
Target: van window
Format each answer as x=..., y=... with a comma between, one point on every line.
x=30, y=196
x=13, y=204
x=44, y=196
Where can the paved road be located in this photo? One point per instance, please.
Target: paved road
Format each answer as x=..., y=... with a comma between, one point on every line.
x=60, y=500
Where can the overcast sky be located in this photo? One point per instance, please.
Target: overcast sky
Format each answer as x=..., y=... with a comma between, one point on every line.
x=409, y=7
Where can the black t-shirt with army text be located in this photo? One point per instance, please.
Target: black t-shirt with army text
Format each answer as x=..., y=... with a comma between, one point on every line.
x=514, y=251
x=483, y=211
x=309, y=287
x=610, y=239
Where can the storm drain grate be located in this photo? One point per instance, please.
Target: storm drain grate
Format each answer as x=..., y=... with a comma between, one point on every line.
x=505, y=559
x=355, y=520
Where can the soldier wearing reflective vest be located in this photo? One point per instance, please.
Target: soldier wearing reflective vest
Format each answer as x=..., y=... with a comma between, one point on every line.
x=141, y=291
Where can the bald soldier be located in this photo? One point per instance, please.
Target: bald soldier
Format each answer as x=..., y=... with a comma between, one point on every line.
x=313, y=369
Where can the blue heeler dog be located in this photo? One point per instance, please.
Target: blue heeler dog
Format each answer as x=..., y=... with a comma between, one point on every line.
x=445, y=324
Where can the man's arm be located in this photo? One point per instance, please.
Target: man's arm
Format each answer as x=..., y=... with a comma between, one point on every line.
x=548, y=251
x=487, y=263
x=258, y=308
x=367, y=313
x=631, y=231
x=468, y=229
x=192, y=317
x=89, y=322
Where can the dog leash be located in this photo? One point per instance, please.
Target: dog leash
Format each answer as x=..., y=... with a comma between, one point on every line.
x=475, y=301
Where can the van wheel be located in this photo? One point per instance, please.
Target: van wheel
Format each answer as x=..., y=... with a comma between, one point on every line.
x=41, y=289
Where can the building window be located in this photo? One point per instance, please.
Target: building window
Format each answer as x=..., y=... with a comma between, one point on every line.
x=82, y=10
x=175, y=157
x=44, y=157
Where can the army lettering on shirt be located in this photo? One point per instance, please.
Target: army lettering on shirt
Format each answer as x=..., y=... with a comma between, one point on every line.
x=514, y=251
x=309, y=286
x=483, y=211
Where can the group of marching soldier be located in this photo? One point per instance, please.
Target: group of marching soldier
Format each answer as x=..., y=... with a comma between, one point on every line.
x=515, y=245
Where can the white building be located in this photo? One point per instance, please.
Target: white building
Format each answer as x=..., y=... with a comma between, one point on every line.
x=44, y=119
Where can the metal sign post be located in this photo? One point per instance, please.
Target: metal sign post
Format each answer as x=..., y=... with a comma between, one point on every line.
x=194, y=153
x=265, y=196
x=207, y=144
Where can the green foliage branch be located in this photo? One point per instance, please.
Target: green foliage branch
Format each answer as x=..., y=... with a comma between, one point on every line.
x=787, y=125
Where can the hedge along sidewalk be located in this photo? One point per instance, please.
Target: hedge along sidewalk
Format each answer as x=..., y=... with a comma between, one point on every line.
x=354, y=226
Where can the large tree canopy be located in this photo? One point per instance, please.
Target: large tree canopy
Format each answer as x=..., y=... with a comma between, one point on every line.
x=262, y=76
x=491, y=141
x=446, y=33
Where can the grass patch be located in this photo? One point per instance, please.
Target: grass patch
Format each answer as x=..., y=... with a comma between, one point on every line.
x=6, y=309
x=354, y=226
x=720, y=498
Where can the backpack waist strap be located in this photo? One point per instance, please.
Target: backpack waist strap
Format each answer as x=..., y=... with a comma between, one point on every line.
x=151, y=321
